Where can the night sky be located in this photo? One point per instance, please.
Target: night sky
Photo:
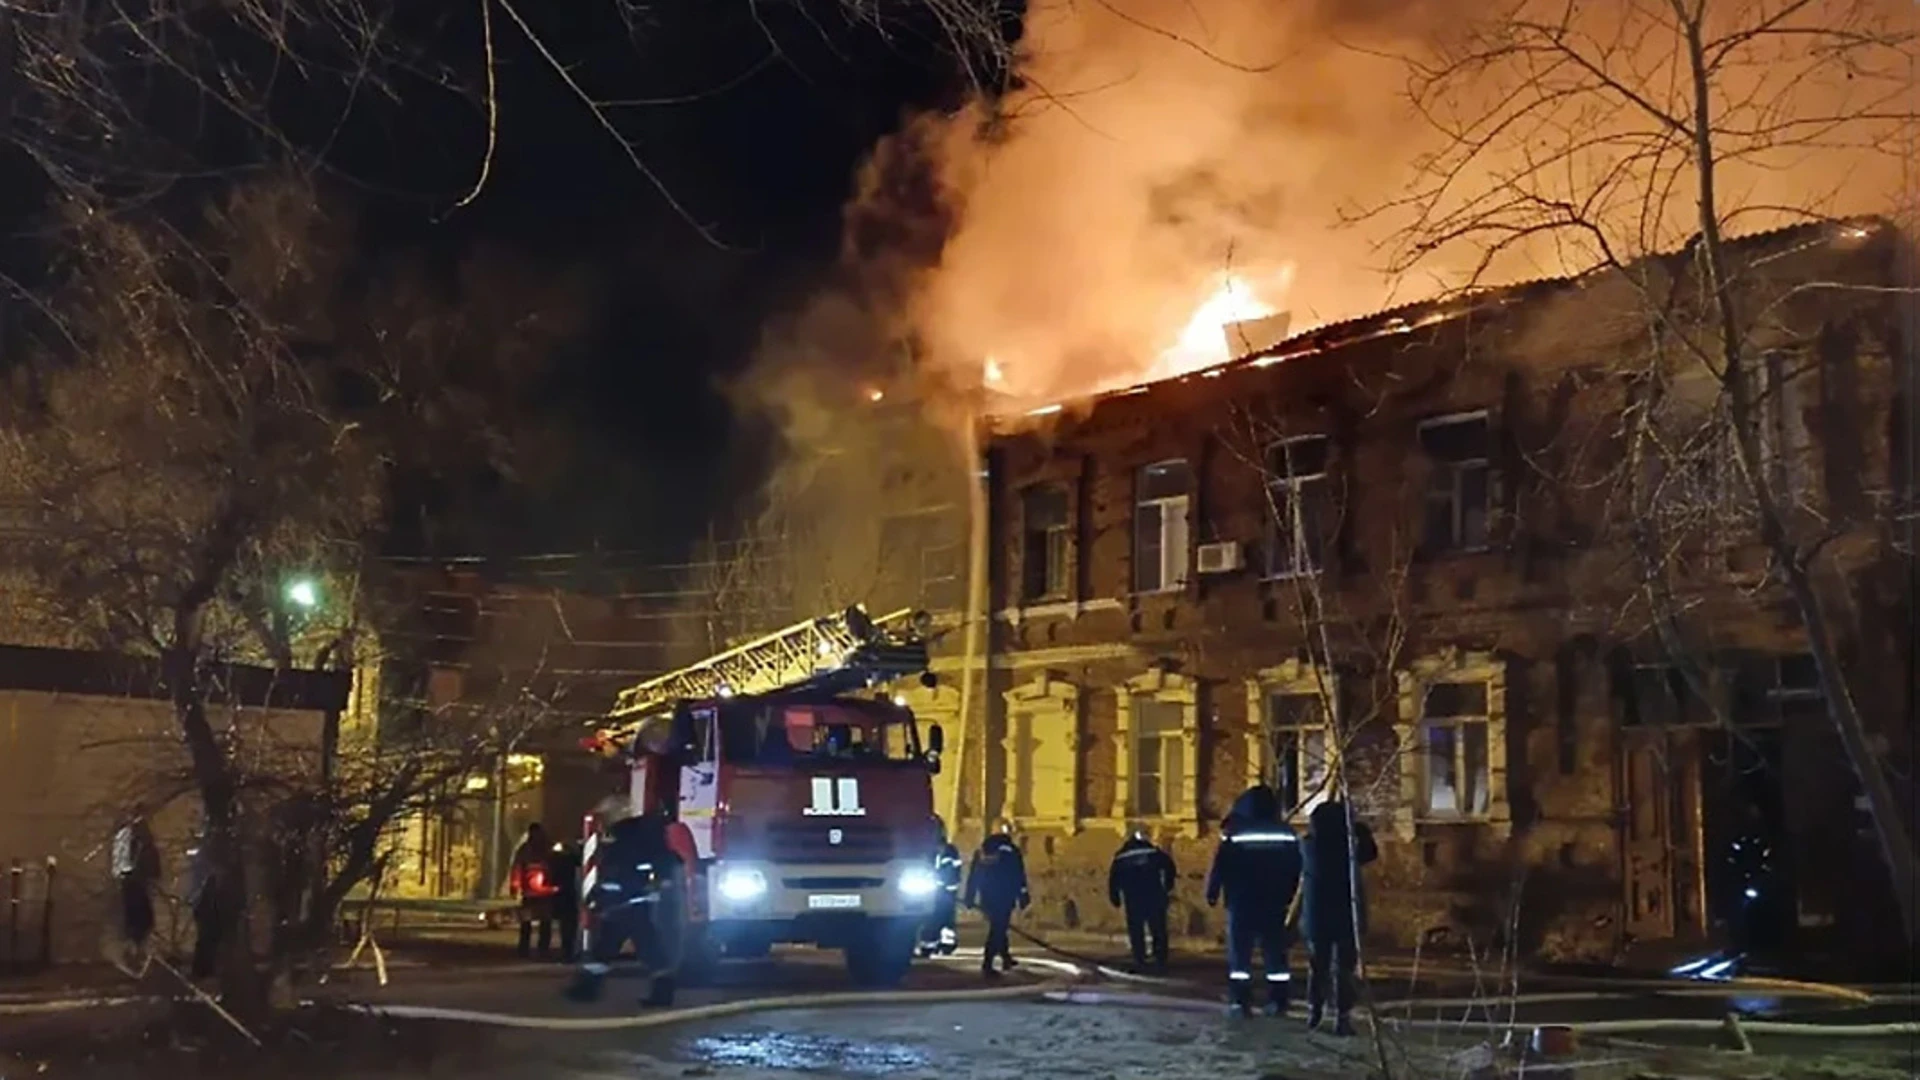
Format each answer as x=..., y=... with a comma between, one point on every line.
x=766, y=125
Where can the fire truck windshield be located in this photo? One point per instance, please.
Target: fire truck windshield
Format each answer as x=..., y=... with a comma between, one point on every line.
x=773, y=733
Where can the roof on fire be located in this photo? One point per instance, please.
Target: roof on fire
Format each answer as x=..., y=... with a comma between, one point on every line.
x=1422, y=313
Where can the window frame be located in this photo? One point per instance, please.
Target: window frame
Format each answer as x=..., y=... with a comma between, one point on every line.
x=1458, y=725
x=1060, y=533
x=1159, y=685
x=1451, y=665
x=1291, y=678
x=1457, y=470
x=1166, y=583
x=1285, y=491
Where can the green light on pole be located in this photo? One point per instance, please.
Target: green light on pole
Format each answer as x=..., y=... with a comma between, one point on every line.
x=303, y=593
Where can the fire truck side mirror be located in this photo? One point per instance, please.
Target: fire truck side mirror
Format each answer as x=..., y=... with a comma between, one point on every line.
x=936, y=741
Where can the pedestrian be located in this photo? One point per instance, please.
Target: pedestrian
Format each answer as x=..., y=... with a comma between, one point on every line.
x=1142, y=877
x=1333, y=909
x=202, y=893
x=563, y=876
x=942, y=936
x=136, y=869
x=996, y=884
x=527, y=881
x=1257, y=870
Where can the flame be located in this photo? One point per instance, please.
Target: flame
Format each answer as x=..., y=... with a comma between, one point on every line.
x=1200, y=343
x=1203, y=342
x=876, y=395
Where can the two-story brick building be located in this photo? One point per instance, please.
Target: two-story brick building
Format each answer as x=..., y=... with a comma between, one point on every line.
x=1400, y=548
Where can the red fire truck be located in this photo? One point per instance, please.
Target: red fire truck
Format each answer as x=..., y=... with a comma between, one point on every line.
x=801, y=785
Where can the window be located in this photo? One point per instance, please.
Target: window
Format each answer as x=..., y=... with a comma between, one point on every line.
x=1786, y=446
x=1045, y=543
x=1159, y=756
x=1458, y=496
x=1041, y=752
x=1660, y=696
x=1297, y=737
x=1161, y=494
x=1795, y=694
x=1022, y=740
x=1454, y=722
x=1297, y=500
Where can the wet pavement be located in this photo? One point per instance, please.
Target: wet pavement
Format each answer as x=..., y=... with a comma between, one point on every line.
x=1183, y=1035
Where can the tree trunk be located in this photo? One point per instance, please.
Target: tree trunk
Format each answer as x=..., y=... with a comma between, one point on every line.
x=1895, y=845
x=226, y=854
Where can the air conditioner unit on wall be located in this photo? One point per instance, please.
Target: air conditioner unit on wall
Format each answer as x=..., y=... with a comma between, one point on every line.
x=1221, y=558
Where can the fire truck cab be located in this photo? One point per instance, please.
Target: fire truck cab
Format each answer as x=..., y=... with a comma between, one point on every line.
x=809, y=803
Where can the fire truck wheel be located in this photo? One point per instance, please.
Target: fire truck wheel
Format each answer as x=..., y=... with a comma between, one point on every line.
x=883, y=958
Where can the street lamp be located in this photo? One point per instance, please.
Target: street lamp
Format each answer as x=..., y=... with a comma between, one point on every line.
x=303, y=593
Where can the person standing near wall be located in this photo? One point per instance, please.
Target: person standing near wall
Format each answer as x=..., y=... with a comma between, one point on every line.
x=996, y=884
x=136, y=870
x=1257, y=871
x=1333, y=910
x=202, y=894
x=1142, y=878
x=527, y=881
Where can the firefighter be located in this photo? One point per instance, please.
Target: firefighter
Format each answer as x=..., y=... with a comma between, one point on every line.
x=941, y=936
x=1333, y=910
x=1142, y=877
x=563, y=876
x=527, y=881
x=1257, y=868
x=996, y=884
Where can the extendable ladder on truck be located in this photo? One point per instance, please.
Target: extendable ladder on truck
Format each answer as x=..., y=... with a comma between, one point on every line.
x=831, y=654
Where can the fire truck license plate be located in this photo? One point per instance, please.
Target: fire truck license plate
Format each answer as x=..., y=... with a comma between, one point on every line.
x=833, y=901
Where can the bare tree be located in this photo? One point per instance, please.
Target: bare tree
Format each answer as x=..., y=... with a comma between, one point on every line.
x=205, y=472
x=1610, y=133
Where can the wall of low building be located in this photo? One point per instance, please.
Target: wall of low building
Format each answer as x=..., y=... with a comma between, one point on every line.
x=70, y=764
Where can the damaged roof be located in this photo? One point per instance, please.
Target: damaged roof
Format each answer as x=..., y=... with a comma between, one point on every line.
x=1423, y=313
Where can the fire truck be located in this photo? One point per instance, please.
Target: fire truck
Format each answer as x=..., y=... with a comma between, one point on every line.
x=802, y=788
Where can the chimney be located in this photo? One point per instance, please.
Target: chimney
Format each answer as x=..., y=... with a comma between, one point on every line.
x=1255, y=335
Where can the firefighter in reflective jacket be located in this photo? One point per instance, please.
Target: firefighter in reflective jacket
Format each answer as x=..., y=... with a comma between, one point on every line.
x=940, y=936
x=996, y=883
x=1142, y=877
x=1257, y=867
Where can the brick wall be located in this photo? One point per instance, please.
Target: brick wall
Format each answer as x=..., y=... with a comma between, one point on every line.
x=1545, y=611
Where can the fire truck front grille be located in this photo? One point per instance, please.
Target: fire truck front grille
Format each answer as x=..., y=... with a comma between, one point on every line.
x=831, y=843
x=833, y=882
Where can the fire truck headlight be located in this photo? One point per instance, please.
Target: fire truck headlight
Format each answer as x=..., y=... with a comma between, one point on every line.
x=918, y=882
x=741, y=884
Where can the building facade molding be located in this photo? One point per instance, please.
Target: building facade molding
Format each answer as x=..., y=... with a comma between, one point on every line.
x=1044, y=764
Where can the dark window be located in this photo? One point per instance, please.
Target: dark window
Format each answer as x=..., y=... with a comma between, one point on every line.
x=1661, y=696
x=1298, y=506
x=1297, y=733
x=1160, y=537
x=1459, y=489
x=1047, y=544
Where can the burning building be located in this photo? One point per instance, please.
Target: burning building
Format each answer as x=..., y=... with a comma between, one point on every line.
x=1409, y=550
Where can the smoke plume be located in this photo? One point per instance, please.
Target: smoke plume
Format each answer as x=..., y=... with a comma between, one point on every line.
x=1167, y=166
